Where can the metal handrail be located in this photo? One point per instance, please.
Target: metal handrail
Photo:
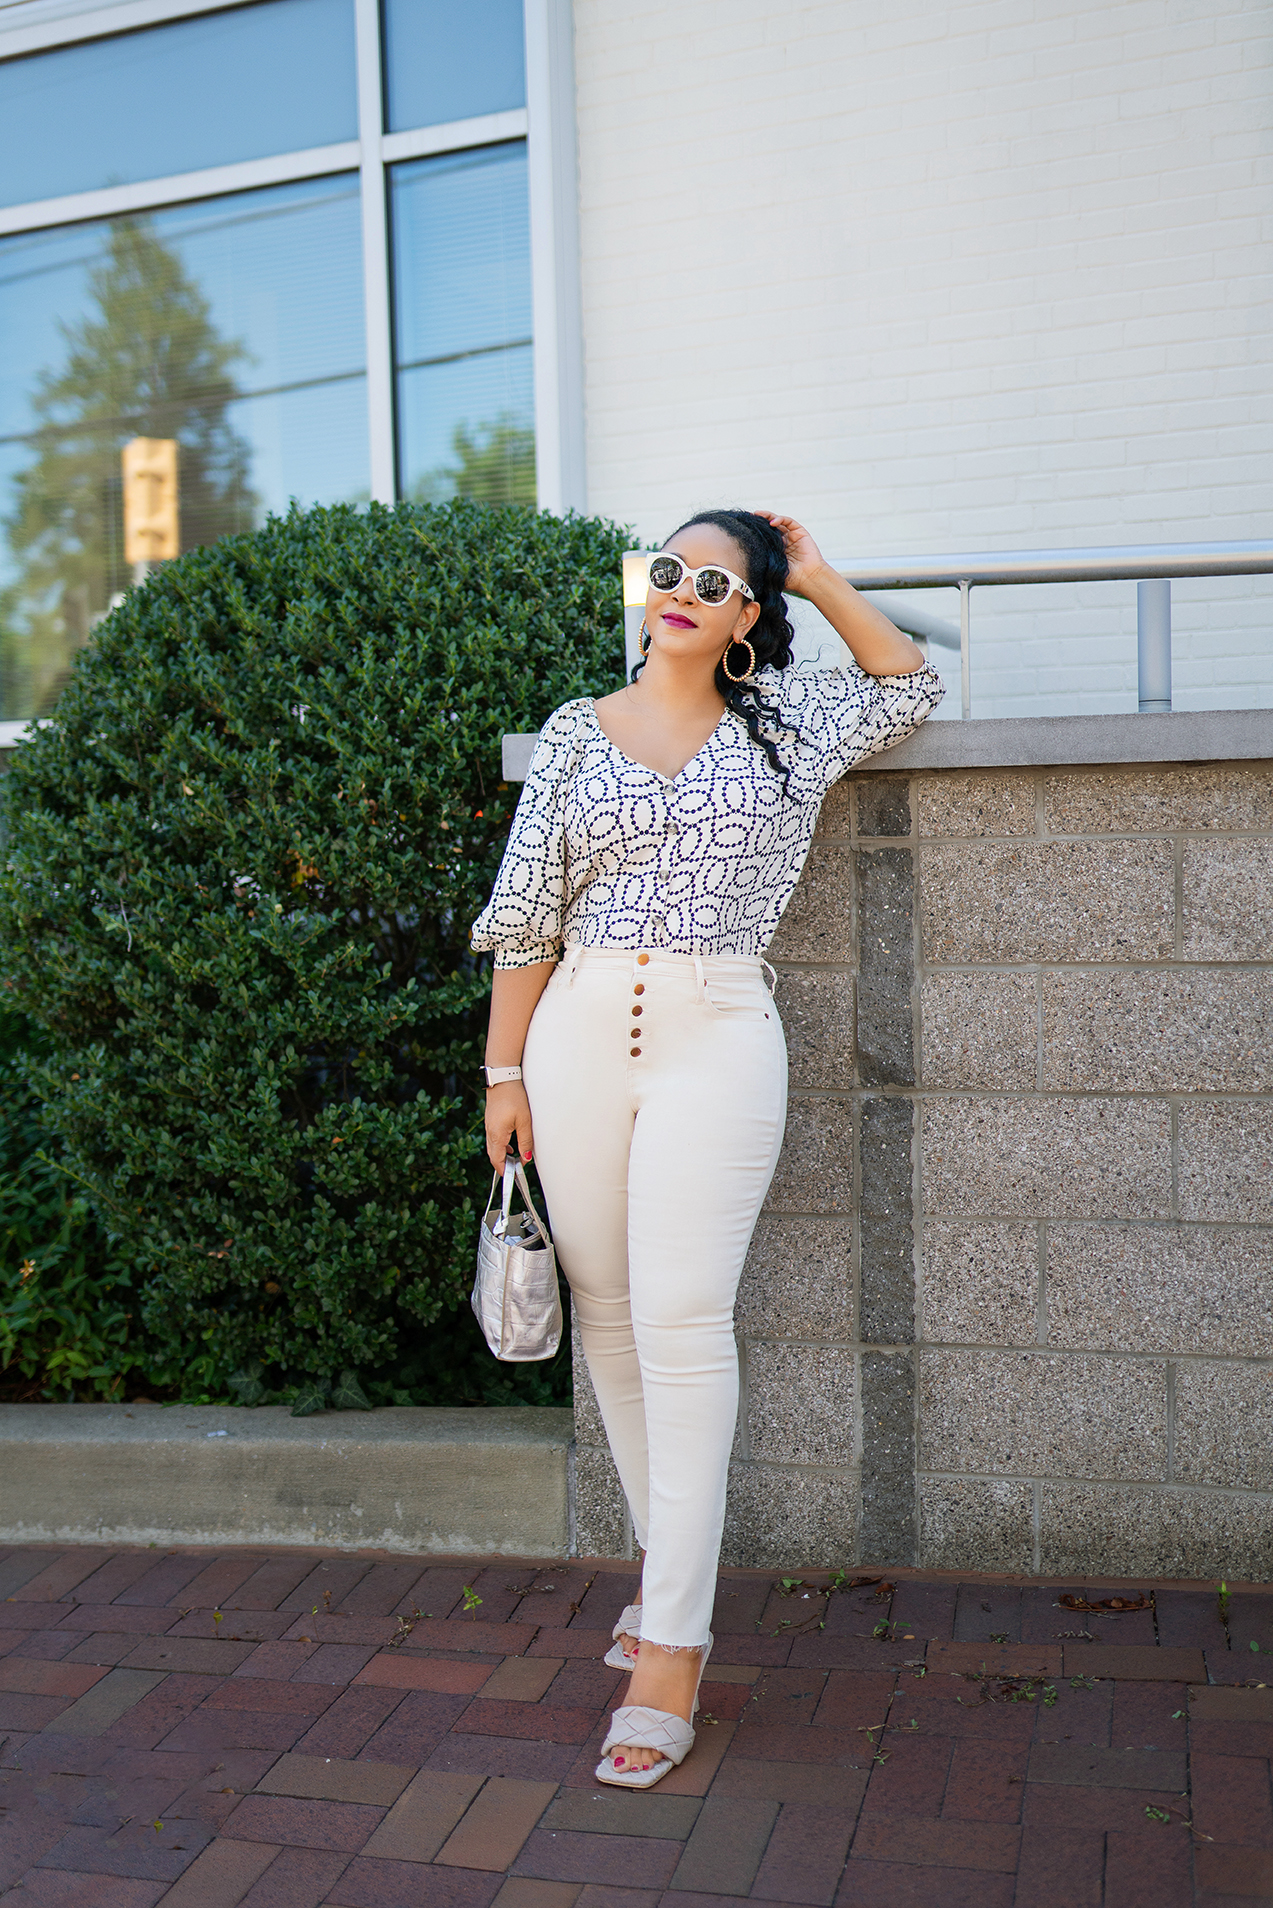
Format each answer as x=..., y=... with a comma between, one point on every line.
x=1150, y=565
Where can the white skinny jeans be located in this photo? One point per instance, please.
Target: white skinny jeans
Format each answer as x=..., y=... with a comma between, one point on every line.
x=658, y=1091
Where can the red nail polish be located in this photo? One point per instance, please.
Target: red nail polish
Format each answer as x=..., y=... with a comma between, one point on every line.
x=618, y=1762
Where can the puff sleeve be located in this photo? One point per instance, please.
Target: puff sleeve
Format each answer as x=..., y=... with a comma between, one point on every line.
x=844, y=715
x=522, y=922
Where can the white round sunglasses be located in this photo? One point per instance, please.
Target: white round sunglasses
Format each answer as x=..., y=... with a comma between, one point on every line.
x=712, y=583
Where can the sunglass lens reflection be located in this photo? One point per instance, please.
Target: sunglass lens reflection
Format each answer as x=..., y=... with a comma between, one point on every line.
x=713, y=586
x=666, y=572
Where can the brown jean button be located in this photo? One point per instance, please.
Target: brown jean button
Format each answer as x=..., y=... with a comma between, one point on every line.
x=643, y=960
x=637, y=1012
x=639, y=988
x=636, y=1053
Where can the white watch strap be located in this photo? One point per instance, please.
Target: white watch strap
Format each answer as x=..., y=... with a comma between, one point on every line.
x=495, y=1076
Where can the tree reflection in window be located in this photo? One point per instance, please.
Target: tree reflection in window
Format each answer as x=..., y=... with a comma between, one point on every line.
x=144, y=360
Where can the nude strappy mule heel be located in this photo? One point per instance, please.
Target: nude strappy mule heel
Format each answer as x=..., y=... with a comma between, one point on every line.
x=657, y=1729
x=629, y=1624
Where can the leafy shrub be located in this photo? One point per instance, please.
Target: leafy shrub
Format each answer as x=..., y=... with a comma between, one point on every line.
x=65, y=1300
x=242, y=864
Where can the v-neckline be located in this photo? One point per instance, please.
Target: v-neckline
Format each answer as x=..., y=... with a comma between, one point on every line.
x=623, y=755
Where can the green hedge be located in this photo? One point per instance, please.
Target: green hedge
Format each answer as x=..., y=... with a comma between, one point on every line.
x=65, y=1298
x=241, y=866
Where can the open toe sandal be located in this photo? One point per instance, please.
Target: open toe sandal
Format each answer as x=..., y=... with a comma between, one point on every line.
x=629, y=1624
x=657, y=1729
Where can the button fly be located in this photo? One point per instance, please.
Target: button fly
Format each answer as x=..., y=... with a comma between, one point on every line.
x=637, y=1012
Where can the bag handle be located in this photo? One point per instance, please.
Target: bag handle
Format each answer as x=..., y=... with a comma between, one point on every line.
x=514, y=1173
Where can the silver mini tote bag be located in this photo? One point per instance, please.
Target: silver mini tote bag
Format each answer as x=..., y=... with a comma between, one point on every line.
x=515, y=1293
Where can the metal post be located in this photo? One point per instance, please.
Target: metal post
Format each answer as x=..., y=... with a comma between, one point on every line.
x=965, y=678
x=1153, y=646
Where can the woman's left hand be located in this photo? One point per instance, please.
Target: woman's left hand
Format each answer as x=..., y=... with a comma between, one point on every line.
x=804, y=559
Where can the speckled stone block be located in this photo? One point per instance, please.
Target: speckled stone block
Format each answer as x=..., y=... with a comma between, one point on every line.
x=1224, y=1423
x=886, y=1224
x=888, y=1457
x=798, y=1280
x=1205, y=1030
x=1169, y=1288
x=886, y=966
x=1047, y=1158
x=778, y=1517
x=817, y=1017
x=976, y=802
x=1158, y=801
x=815, y=1167
x=1226, y=1160
x=883, y=805
x=979, y=1030
x=588, y=1426
x=1040, y=1413
x=818, y=923
x=835, y=817
x=800, y=1403
x=1109, y=1531
x=1227, y=910
x=980, y=1282
x=975, y=1523
x=1048, y=901
x=600, y=1521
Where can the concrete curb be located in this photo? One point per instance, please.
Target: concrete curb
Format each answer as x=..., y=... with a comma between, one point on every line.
x=471, y=1482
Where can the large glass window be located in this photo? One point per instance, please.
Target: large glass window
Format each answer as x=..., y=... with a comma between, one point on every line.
x=234, y=326
x=446, y=61
x=244, y=84
x=461, y=252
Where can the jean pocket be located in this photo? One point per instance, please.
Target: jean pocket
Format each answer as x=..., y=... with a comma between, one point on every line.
x=738, y=1000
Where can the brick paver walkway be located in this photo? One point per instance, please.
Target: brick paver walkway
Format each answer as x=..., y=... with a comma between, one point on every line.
x=283, y=1729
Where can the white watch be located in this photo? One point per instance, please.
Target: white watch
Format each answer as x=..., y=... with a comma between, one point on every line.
x=495, y=1076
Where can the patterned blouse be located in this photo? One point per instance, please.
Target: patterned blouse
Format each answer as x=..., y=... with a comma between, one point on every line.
x=607, y=853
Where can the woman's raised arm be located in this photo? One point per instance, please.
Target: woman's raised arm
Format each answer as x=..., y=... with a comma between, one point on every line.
x=878, y=647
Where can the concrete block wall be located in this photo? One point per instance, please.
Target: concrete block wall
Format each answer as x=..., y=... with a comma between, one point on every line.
x=1010, y=1305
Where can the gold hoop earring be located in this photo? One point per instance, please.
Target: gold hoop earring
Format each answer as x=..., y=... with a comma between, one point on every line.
x=644, y=638
x=739, y=642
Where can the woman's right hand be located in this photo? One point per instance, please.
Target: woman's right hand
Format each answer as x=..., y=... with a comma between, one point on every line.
x=508, y=1114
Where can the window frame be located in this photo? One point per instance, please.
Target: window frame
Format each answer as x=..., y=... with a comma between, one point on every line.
x=546, y=123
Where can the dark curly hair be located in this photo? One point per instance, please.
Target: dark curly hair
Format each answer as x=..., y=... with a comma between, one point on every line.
x=771, y=635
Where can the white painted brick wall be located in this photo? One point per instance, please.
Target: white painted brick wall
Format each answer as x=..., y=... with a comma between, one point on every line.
x=991, y=275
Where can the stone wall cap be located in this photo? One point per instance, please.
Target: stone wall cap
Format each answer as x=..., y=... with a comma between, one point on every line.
x=1186, y=735
x=546, y=1426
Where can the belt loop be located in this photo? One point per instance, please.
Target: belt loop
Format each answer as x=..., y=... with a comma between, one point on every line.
x=773, y=973
x=572, y=962
x=702, y=978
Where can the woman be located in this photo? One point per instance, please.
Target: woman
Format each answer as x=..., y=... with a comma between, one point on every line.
x=634, y=1048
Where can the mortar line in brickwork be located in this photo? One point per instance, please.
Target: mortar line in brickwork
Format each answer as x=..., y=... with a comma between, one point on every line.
x=744, y=1394
x=1059, y=1353
x=1179, y=1487
x=1171, y=1421
x=1085, y=964
x=1048, y=1093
